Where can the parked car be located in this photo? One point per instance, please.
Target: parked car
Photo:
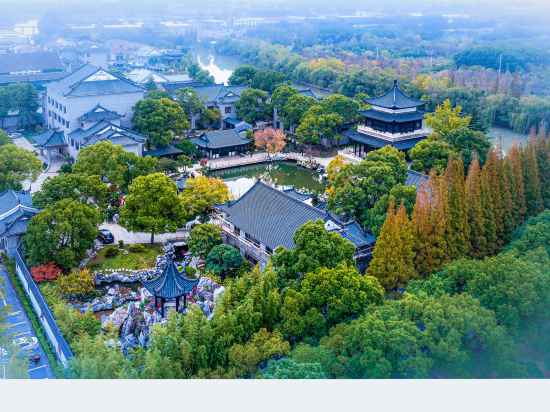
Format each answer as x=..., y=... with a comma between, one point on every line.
x=106, y=236
x=26, y=343
x=34, y=358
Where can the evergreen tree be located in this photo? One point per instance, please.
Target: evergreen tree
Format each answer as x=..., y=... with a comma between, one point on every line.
x=542, y=148
x=474, y=209
x=505, y=187
x=533, y=195
x=519, y=208
x=488, y=213
x=457, y=236
x=429, y=226
x=491, y=174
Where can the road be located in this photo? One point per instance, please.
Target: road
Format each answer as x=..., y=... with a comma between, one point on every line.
x=19, y=325
x=52, y=170
x=121, y=233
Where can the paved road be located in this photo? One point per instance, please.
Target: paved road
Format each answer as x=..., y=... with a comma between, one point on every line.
x=19, y=325
x=121, y=233
x=53, y=166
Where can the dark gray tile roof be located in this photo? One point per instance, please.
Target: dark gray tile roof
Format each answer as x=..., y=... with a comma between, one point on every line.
x=99, y=113
x=416, y=179
x=164, y=151
x=50, y=138
x=77, y=83
x=377, y=143
x=272, y=217
x=395, y=99
x=35, y=61
x=15, y=212
x=9, y=199
x=32, y=78
x=219, y=93
x=171, y=283
x=393, y=117
x=217, y=139
x=106, y=131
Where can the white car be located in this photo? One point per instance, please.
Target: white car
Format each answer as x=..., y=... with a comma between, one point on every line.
x=26, y=343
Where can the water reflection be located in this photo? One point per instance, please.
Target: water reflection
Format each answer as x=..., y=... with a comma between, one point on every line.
x=281, y=174
x=220, y=67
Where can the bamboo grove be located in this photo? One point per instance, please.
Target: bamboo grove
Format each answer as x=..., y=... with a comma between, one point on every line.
x=464, y=212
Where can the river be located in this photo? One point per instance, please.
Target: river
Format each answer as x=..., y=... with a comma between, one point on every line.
x=220, y=67
x=506, y=137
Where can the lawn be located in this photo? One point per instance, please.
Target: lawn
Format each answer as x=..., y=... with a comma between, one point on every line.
x=131, y=260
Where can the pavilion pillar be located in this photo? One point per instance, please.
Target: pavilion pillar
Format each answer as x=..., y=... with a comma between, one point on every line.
x=177, y=303
x=185, y=301
x=156, y=303
x=162, y=307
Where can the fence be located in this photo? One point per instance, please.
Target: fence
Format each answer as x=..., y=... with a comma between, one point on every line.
x=42, y=310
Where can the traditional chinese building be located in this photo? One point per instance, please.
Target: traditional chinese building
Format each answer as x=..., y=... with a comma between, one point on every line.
x=16, y=211
x=394, y=119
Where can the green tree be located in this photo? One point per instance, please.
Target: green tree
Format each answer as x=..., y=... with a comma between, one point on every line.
x=466, y=142
x=113, y=163
x=160, y=120
x=531, y=178
x=458, y=234
x=152, y=205
x=201, y=193
x=96, y=360
x=85, y=189
x=446, y=119
x=253, y=106
x=393, y=157
x=288, y=368
x=431, y=153
x=346, y=108
x=267, y=80
x=61, y=233
x=223, y=260
x=314, y=247
x=280, y=97
x=474, y=211
x=295, y=108
x=203, y=238
x=4, y=138
x=16, y=166
x=317, y=125
x=242, y=75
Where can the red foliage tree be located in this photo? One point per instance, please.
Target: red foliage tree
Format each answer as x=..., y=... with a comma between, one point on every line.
x=45, y=272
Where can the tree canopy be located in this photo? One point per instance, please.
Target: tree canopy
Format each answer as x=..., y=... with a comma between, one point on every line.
x=16, y=166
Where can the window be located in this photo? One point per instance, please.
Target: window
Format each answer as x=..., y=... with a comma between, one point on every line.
x=227, y=109
x=64, y=109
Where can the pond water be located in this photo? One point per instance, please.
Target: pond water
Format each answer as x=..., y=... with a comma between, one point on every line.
x=240, y=179
x=506, y=137
x=220, y=67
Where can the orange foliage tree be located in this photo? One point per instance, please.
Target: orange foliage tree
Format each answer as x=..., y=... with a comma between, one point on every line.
x=272, y=140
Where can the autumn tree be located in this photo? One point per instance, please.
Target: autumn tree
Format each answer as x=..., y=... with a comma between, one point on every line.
x=457, y=228
x=446, y=119
x=152, y=205
x=474, y=211
x=271, y=140
x=489, y=216
x=531, y=178
x=393, y=256
x=517, y=189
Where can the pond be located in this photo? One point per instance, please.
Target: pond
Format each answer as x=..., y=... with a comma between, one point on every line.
x=240, y=179
x=506, y=137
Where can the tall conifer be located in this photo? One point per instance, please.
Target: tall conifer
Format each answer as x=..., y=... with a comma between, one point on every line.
x=406, y=246
x=476, y=218
x=457, y=236
x=488, y=213
x=542, y=147
x=519, y=209
x=531, y=179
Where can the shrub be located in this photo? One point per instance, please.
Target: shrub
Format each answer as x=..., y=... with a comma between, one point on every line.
x=136, y=248
x=45, y=272
x=78, y=283
x=190, y=271
x=111, y=251
x=66, y=168
x=121, y=244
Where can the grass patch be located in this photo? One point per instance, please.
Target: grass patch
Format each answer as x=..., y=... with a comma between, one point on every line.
x=126, y=259
x=57, y=369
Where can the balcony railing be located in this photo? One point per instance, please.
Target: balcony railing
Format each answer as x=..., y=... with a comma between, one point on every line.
x=392, y=137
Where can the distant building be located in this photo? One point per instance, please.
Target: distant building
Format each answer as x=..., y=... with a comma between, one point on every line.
x=394, y=119
x=219, y=96
x=90, y=105
x=15, y=212
x=146, y=76
x=38, y=68
x=264, y=218
x=220, y=143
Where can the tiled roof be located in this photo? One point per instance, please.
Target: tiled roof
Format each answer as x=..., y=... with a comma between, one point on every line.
x=106, y=131
x=34, y=77
x=395, y=99
x=272, y=217
x=171, y=283
x=9, y=199
x=50, y=138
x=217, y=139
x=164, y=151
x=90, y=80
x=393, y=117
x=15, y=212
x=416, y=179
x=99, y=113
x=219, y=93
x=377, y=143
x=35, y=61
